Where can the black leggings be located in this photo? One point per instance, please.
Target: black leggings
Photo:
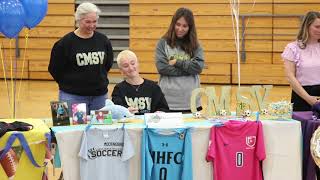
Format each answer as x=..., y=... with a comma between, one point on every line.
x=300, y=104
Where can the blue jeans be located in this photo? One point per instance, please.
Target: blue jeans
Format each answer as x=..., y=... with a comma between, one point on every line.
x=92, y=102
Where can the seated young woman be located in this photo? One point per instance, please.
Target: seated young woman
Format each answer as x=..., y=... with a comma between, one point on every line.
x=139, y=95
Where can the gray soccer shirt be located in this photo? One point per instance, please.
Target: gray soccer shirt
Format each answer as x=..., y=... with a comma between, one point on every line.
x=104, y=154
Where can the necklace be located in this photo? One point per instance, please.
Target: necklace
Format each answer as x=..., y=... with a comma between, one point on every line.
x=135, y=84
x=136, y=87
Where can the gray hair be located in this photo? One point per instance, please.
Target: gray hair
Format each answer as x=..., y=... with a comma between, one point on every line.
x=85, y=8
x=126, y=54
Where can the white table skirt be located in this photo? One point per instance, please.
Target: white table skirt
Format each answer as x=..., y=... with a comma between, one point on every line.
x=283, y=141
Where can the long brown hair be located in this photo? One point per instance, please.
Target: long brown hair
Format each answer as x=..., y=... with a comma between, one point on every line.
x=190, y=40
x=303, y=34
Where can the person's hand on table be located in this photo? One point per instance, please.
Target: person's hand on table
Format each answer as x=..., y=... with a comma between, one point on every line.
x=312, y=100
x=133, y=110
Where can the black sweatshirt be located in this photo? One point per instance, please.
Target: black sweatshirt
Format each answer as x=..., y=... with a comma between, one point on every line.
x=147, y=97
x=80, y=66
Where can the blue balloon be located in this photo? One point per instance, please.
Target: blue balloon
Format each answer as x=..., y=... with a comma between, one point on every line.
x=11, y=17
x=1, y=10
x=35, y=11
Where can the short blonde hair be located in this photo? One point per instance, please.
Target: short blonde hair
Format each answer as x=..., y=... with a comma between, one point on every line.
x=125, y=54
x=85, y=8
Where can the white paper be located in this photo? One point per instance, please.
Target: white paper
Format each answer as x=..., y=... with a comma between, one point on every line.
x=164, y=120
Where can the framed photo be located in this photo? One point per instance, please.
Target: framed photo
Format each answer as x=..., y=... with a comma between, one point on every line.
x=79, y=113
x=100, y=117
x=60, y=113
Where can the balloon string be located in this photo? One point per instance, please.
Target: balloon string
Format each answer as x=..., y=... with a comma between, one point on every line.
x=4, y=76
x=234, y=6
x=243, y=36
x=238, y=44
x=248, y=19
x=11, y=73
x=23, y=61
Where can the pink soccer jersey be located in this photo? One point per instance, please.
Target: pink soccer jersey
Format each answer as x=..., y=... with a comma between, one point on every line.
x=236, y=150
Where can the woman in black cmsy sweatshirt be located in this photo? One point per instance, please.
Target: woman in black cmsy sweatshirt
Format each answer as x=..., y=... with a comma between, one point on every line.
x=137, y=94
x=80, y=61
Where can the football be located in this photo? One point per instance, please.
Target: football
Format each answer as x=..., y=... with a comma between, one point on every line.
x=9, y=163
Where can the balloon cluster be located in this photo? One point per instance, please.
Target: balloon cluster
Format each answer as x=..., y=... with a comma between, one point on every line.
x=15, y=14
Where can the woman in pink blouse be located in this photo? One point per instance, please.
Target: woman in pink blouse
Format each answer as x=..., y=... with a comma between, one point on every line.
x=302, y=63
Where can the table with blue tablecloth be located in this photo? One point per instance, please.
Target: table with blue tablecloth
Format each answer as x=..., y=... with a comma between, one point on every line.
x=282, y=143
